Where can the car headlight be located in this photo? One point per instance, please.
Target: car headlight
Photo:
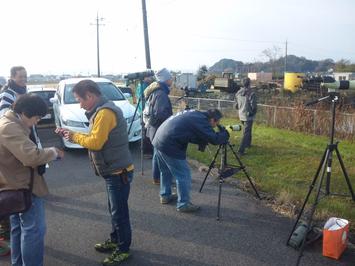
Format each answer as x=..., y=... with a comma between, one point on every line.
x=71, y=123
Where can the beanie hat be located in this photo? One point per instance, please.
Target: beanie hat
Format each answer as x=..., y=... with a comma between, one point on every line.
x=163, y=75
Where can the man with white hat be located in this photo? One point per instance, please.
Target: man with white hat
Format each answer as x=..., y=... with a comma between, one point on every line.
x=158, y=109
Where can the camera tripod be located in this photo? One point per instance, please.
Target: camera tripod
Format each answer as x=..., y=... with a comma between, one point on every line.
x=325, y=169
x=141, y=100
x=226, y=171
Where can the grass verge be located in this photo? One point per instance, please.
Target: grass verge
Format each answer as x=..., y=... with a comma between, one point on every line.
x=283, y=164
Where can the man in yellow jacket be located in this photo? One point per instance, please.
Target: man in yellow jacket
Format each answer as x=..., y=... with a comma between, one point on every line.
x=107, y=143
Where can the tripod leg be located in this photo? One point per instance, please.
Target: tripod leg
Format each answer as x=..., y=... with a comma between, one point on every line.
x=244, y=170
x=329, y=171
x=134, y=116
x=345, y=173
x=210, y=167
x=321, y=164
x=219, y=197
x=310, y=217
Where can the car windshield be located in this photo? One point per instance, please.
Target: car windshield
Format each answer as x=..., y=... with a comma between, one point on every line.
x=45, y=95
x=108, y=90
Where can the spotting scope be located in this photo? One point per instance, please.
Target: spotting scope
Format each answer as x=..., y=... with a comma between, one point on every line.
x=339, y=85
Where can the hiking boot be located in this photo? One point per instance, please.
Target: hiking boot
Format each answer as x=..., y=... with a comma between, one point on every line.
x=107, y=246
x=189, y=207
x=116, y=258
x=168, y=199
x=156, y=181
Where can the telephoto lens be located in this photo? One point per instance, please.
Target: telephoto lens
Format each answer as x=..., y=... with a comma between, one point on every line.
x=234, y=127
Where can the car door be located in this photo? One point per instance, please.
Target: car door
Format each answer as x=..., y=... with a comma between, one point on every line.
x=56, y=106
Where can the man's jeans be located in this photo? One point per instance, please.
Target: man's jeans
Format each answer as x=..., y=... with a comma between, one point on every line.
x=27, y=235
x=246, y=140
x=180, y=169
x=155, y=166
x=118, y=194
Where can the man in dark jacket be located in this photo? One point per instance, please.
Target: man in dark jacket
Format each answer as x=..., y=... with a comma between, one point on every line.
x=171, y=141
x=247, y=106
x=159, y=109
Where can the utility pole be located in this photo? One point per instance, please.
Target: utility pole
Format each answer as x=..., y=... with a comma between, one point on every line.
x=97, y=24
x=286, y=56
x=146, y=37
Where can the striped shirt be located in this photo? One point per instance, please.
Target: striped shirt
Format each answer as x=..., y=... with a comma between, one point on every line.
x=7, y=98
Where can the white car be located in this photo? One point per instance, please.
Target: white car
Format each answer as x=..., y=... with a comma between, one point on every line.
x=69, y=115
x=46, y=94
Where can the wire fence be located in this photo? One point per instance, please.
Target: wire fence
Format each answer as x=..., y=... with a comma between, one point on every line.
x=300, y=118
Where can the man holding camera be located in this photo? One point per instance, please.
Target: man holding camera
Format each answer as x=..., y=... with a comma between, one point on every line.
x=247, y=106
x=107, y=143
x=171, y=141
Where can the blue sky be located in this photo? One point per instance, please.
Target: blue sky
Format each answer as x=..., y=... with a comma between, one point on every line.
x=55, y=37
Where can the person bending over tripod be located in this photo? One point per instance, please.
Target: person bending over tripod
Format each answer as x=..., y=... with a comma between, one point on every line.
x=171, y=141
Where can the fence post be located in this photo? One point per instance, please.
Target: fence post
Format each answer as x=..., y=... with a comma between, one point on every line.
x=219, y=104
x=198, y=103
x=274, y=116
x=314, y=121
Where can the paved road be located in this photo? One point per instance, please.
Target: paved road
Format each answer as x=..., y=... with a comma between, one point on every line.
x=248, y=234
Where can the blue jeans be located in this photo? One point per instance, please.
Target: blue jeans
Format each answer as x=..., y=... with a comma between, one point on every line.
x=180, y=169
x=27, y=235
x=247, y=136
x=118, y=193
x=155, y=166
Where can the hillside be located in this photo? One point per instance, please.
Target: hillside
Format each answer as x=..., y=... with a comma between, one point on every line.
x=294, y=64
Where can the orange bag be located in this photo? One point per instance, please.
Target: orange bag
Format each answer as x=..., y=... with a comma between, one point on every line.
x=335, y=237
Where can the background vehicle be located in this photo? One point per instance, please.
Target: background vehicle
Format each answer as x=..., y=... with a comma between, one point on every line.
x=46, y=94
x=127, y=92
x=69, y=115
x=226, y=83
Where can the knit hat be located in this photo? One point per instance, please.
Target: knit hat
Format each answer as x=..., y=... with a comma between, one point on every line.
x=163, y=75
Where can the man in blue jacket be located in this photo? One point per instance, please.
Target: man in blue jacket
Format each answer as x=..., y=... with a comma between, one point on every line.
x=171, y=141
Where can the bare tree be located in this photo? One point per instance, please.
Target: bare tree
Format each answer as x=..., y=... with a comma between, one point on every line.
x=273, y=54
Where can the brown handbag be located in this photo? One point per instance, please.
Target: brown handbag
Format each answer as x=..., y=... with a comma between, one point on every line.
x=16, y=201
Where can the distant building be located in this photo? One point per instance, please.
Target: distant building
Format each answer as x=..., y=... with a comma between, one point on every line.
x=260, y=76
x=36, y=78
x=186, y=81
x=338, y=76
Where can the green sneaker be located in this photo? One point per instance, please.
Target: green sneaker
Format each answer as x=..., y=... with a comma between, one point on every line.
x=4, y=248
x=189, y=207
x=107, y=246
x=116, y=258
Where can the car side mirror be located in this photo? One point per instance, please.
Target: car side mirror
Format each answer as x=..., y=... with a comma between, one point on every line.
x=127, y=95
x=54, y=100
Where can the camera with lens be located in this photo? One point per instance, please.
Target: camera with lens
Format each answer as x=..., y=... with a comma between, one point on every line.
x=230, y=128
x=339, y=85
x=139, y=75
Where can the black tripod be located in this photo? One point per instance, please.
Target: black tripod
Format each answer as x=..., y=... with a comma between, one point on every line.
x=141, y=100
x=226, y=171
x=325, y=168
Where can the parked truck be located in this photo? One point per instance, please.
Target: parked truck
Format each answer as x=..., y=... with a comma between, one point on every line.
x=186, y=81
x=227, y=83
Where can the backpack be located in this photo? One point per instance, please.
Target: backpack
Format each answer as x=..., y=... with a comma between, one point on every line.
x=148, y=114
